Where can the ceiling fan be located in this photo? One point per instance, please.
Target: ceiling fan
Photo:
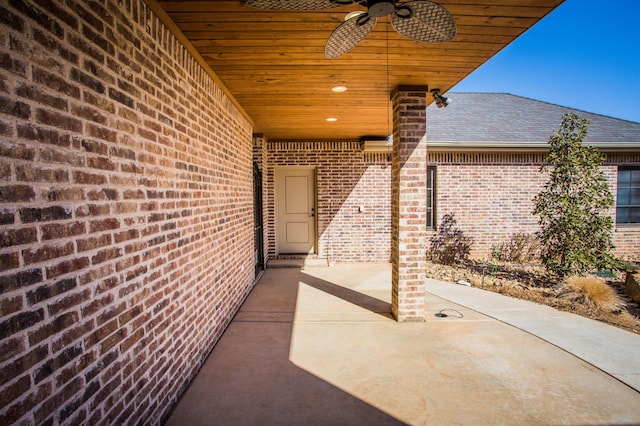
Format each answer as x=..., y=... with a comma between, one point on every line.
x=420, y=20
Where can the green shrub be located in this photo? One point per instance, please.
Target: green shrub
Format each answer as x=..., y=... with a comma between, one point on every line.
x=575, y=227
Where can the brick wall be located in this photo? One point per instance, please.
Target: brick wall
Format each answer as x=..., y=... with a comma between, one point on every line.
x=260, y=160
x=409, y=203
x=491, y=195
x=126, y=213
x=626, y=238
x=346, y=180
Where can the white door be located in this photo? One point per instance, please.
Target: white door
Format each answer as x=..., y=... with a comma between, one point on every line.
x=295, y=210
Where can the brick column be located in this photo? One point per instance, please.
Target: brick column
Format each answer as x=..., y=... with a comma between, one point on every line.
x=409, y=203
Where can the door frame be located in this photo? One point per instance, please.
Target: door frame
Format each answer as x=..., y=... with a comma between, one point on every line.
x=258, y=220
x=279, y=169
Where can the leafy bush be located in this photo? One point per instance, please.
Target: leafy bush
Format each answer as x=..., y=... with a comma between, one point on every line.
x=575, y=228
x=449, y=245
x=591, y=291
x=518, y=248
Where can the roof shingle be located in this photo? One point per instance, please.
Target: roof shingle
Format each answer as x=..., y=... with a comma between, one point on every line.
x=505, y=118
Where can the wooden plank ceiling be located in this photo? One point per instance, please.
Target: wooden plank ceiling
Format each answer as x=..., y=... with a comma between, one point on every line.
x=274, y=64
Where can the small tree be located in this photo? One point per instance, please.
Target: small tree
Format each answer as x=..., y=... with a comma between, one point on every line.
x=576, y=232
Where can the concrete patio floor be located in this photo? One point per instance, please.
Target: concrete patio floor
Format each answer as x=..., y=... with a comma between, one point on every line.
x=317, y=346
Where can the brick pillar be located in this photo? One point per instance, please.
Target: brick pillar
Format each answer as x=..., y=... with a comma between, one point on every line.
x=409, y=203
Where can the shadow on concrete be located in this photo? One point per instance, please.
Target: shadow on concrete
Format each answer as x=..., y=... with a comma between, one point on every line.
x=306, y=348
x=362, y=300
x=249, y=378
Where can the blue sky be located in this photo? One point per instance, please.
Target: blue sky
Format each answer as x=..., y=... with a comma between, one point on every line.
x=583, y=55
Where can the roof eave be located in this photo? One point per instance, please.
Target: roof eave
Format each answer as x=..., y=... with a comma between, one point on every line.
x=524, y=146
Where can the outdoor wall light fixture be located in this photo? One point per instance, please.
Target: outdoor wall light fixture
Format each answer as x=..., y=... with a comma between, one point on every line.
x=441, y=101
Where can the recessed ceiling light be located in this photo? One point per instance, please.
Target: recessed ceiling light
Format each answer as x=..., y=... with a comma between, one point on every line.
x=339, y=89
x=332, y=119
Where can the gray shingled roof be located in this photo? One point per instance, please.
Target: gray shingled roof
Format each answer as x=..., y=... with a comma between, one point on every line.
x=482, y=119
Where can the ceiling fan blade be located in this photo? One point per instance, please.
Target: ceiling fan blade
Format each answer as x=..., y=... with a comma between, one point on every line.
x=348, y=35
x=424, y=21
x=297, y=5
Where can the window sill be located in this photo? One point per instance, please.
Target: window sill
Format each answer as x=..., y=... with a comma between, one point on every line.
x=631, y=227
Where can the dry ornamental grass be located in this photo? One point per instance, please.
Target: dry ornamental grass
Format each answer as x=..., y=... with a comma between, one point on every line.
x=592, y=291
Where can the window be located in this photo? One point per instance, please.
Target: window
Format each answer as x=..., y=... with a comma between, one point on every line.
x=628, y=197
x=431, y=197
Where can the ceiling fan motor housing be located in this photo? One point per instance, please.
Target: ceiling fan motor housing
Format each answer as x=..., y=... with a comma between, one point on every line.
x=379, y=8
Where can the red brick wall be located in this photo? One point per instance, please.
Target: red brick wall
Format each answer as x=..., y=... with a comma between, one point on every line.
x=260, y=159
x=409, y=203
x=491, y=195
x=126, y=213
x=626, y=238
x=346, y=180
